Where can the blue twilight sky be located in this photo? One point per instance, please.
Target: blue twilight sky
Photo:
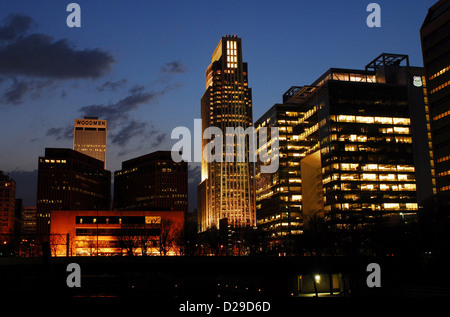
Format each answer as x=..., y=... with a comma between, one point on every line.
x=141, y=64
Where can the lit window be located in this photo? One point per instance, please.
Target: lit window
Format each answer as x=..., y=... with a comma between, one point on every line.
x=351, y=148
x=383, y=120
x=344, y=118
x=401, y=130
x=411, y=206
x=391, y=206
x=369, y=176
x=403, y=121
x=360, y=119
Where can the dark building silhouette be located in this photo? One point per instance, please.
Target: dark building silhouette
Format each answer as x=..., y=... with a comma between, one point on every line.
x=70, y=180
x=7, y=204
x=361, y=140
x=151, y=182
x=435, y=38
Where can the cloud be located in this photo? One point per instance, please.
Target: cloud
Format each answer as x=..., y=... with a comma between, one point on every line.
x=133, y=128
x=38, y=55
x=61, y=133
x=136, y=128
x=15, y=25
x=111, y=85
x=118, y=111
x=173, y=67
x=20, y=88
x=159, y=137
x=15, y=93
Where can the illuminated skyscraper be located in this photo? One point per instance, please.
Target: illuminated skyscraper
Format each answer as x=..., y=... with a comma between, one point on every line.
x=227, y=187
x=89, y=137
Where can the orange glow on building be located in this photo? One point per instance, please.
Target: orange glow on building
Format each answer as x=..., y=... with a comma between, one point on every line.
x=107, y=233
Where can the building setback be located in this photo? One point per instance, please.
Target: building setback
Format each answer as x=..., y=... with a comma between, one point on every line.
x=435, y=38
x=359, y=136
x=152, y=182
x=227, y=185
x=69, y=180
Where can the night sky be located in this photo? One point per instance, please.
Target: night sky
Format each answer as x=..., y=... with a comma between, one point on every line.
x=141, y=65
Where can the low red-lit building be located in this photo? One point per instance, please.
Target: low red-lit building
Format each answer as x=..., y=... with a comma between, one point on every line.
x=105, y=233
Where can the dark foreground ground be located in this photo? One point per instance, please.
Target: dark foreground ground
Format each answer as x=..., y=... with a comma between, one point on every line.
x=170, y=284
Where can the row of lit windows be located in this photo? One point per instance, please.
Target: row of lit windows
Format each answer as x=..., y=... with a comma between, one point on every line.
x=385, y=206
x=364, y=138
x=439, y=73
x=375, y=187
x=441, y=115
x=365, y=119
x=231, y=54
x=440, y=87
x=443, y=159
x=348, y=77
x=53, y=161
x=375, y=167
x=369, y=177
x=444, y=173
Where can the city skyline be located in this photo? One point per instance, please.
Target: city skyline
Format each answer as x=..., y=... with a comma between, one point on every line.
x=142, y=74
x=315, y=162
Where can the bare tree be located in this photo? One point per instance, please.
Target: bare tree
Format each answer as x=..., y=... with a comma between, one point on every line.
x=166, y=237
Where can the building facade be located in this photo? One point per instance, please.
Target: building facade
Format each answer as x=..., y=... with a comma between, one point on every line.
x=278, y=195
x=105, y=233
x=89, y=137
x=227, y=183
x=7, y=204
x=361, y=141
x=70, y=180
x=152, y=182
x=29, y=220
x=435, y=39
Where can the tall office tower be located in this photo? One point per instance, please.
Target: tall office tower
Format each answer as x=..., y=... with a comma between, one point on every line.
x=7, y=205
x=278, y=195
x=69, y=180
x=435, y=38
x=227, y=184
x=151, y=182
x=355, y=131
x=89, y=137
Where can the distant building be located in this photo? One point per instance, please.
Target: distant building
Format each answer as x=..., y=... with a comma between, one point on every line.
x=69, y=180
x=115, y=232
x=7, y=204
x=89, y=137
x=152, y=182
x=28, y=220
x=435, y=38
x=227, y=187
